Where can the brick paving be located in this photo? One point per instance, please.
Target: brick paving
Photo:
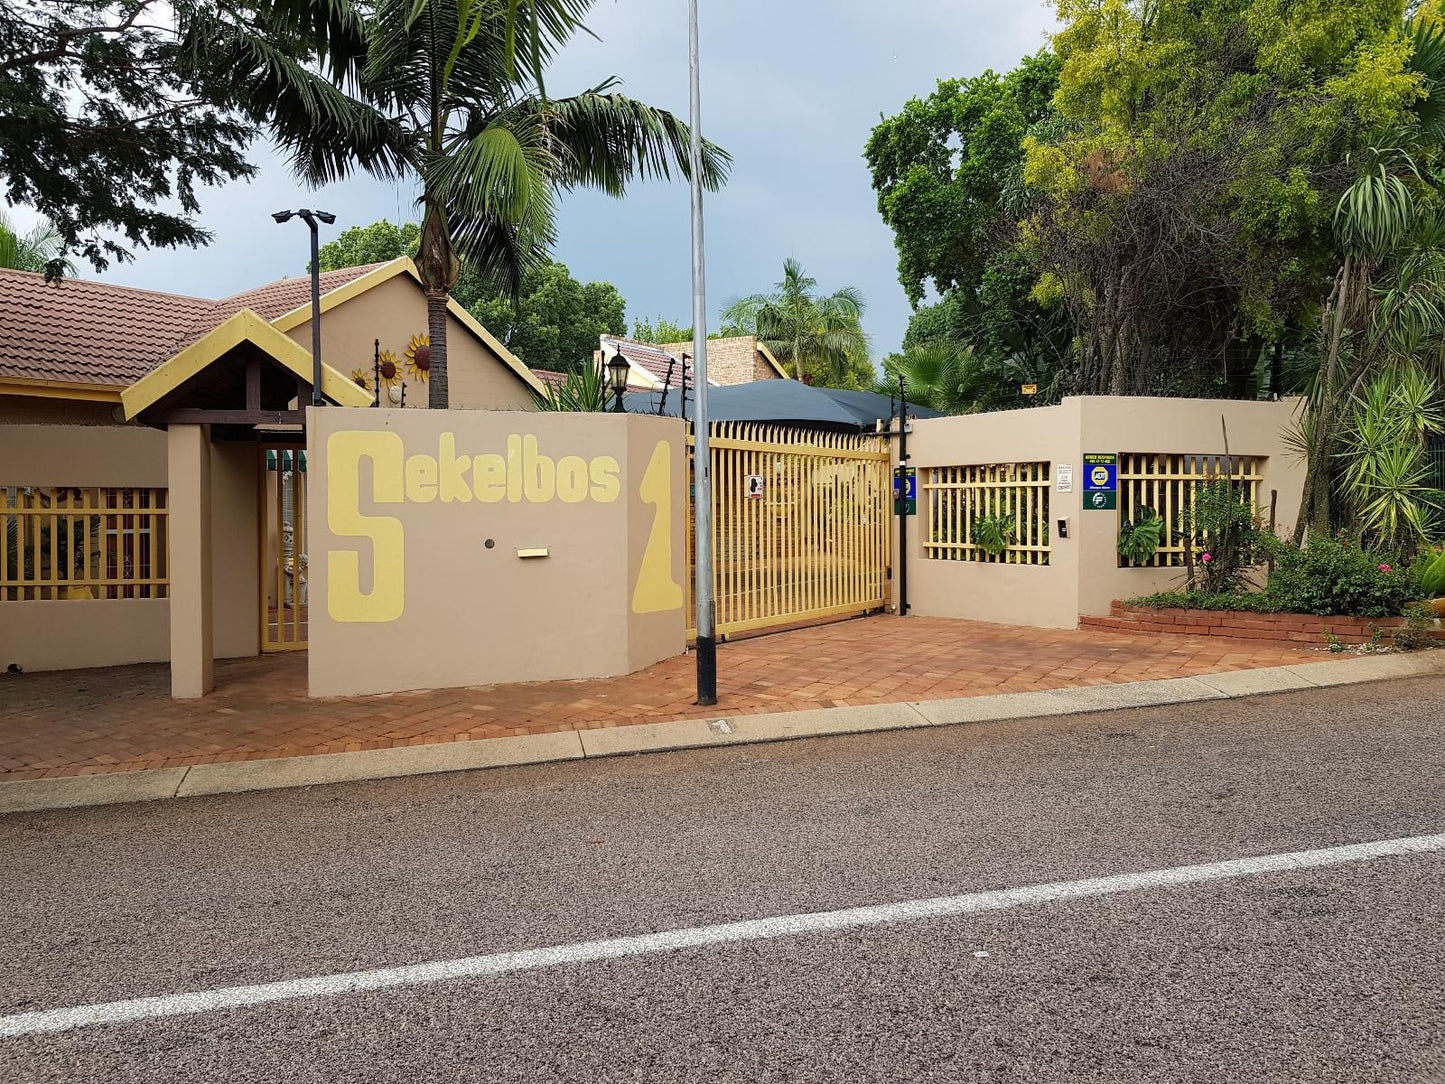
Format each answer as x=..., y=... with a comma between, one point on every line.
x=83, y=722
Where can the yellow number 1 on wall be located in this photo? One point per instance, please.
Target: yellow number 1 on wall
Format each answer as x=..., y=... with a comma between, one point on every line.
x=657, y=590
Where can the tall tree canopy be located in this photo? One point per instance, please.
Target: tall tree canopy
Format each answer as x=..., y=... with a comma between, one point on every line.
x=376, y=243
x=1148, y=206
x=114, y=113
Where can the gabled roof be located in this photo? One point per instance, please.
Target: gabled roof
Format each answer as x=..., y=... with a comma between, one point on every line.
x=243, y=326
x=100, y=338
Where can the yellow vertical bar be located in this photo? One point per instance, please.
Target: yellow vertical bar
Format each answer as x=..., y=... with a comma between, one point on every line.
x=298, y=546
x=280, y=568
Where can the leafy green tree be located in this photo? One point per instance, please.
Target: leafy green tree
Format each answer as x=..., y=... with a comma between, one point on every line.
x=1179, y=210
x=33, y=251
x=556, y=321
x=377, y=243
x=819, y=335
x=438, y=96
x=661, y=330
x=948, y=167
x=113, y=113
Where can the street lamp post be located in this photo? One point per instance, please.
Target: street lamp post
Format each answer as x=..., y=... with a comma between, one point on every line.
x=310, y=217
x=701, y=455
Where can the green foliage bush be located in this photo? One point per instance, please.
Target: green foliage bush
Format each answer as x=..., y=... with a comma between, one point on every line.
x=1335, y=575
x=1431, y=573
x=1329, y=575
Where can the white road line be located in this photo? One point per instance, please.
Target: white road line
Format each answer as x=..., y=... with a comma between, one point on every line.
x=501, y=963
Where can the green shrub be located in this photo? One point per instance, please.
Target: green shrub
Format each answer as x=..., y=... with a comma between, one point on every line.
x=1222, y=527
x=1335, y=575
x=1205, y=600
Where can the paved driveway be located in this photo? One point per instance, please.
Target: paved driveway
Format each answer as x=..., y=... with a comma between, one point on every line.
x=123, y=719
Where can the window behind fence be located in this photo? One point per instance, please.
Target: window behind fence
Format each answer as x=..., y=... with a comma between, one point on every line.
x=1166, y=486
x=992, y=512
x=95, y=543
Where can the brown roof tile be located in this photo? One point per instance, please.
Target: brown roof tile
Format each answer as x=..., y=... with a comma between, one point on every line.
x=88, y=332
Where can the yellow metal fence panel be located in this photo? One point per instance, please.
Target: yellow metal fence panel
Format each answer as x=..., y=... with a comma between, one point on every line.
x=997, y=513
x=70, y=543
x=801, y=525
x=1167, y=485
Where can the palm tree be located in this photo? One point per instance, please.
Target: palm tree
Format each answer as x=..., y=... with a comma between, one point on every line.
x=957, y=379
x=1387, y=303
x=801, y=328
x=435, y=93
x=38, y=250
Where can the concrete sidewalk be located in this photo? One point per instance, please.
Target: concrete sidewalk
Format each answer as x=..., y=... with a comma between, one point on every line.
x=720, y=730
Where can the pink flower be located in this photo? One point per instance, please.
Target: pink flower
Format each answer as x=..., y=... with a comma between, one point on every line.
x=1206, y=558
x=1384, y=568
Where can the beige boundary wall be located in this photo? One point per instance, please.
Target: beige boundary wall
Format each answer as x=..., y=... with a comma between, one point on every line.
x=1082, y=577
x=116, y=632
x=458, y=548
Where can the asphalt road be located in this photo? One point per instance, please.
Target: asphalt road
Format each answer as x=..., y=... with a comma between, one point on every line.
x=1330, y=974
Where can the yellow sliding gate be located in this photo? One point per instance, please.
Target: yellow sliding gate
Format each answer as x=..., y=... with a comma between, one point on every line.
x=801, y=525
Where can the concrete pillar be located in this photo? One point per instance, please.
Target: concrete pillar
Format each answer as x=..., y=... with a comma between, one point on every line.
x=188, y=458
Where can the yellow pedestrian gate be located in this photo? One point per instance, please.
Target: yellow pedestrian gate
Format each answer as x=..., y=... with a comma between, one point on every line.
x=801, y=525
x=282, y=545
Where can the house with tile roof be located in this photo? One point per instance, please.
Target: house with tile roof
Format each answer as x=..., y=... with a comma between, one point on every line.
x=739, y=359
x=100, y=388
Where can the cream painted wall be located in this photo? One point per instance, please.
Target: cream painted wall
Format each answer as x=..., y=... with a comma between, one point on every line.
x=461, y=612
x=394, y=312
x=1083, y=577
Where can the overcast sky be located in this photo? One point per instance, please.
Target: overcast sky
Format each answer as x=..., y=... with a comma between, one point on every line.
x=790, y=88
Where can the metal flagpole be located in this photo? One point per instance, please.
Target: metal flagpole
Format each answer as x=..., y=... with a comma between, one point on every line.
x=701, y=456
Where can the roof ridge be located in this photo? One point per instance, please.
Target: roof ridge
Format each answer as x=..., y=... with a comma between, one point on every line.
x=108, y=285
x=358, y=269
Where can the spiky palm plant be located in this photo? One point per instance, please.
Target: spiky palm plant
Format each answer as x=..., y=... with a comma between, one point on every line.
x=434, y=92
x=32, y=251
x=804, y=329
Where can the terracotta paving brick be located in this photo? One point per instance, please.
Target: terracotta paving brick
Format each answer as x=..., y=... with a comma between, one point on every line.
x=123, y=719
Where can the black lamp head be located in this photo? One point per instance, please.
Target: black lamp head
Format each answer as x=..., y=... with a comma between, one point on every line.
x=283, y=216
x=326, y=216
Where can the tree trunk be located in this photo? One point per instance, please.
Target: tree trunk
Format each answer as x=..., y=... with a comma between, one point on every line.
x=438, y=392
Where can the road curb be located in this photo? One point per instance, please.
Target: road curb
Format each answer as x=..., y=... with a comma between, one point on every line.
x=31, y=795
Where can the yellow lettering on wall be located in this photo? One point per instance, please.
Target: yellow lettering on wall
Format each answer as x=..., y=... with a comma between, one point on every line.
x=345, y=600
x=657, y=590
x=514, y=468
x=539, y=473
x=489, y=477
x=605, y=485
x=421, y=479
x=454, y=469
x=572, y=479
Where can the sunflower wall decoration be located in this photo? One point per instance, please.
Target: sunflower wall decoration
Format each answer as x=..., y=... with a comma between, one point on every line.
x=361, y=378
x=387, y=368
x=418, y=357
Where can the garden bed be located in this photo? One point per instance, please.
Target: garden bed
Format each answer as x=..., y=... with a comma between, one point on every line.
x=1253, y=625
